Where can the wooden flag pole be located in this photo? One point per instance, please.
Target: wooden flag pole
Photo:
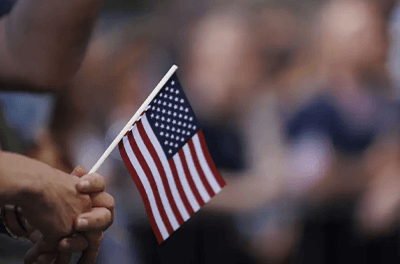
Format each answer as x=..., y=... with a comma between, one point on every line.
x=129, y=125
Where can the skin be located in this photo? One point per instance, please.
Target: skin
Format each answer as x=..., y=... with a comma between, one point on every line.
x=90, y=235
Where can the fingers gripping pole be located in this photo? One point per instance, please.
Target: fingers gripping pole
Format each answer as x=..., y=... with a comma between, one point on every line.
x=128, y=126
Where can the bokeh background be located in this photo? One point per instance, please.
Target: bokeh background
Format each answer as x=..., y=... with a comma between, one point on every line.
x=299, y=104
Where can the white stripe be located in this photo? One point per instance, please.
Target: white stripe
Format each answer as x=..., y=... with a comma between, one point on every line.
x=204, y=165
x=147, y=188
x=167, y=169
x=195, y=176
x=181, y=173
x=157, y=178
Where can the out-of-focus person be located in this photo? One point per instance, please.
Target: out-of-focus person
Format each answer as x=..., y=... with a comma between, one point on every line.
x=334, y=131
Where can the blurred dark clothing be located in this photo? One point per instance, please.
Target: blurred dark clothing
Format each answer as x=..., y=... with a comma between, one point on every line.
x=225, y=145
x=330, y=233
x=347, y=134
x=6, y=6
x=330, y=237
x=205, y=239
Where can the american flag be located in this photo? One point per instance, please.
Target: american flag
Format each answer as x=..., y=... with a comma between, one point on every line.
x=168, y=159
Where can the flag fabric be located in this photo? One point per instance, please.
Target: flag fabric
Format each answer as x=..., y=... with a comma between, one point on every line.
x=167, y=157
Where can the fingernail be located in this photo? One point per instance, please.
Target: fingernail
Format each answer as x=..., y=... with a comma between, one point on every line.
x=84, y=184
x=83, y=223
x=66, y=245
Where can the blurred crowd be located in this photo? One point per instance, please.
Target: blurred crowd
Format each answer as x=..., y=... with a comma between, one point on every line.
x=299, y=104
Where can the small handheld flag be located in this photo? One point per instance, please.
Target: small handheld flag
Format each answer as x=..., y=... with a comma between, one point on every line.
x=167, y=157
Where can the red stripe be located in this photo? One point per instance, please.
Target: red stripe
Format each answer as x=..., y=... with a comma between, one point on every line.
x=161, y=171
x=200, y=169
x=142, y=192
x=152, y=182
x=209, y=160
x=180, y=188
x=190, y=179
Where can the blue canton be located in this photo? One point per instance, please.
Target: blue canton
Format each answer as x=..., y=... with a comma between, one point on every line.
x=172, y=118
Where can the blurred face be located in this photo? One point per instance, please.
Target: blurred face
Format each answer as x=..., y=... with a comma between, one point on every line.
x=223, y=69
x=352, y=34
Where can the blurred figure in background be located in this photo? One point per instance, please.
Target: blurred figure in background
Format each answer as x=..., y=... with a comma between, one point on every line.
x=332, y=134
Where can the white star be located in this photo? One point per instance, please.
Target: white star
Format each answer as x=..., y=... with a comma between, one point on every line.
x=174, y=114
x=181, y=108
x=175, y=106
x=173, y=82
x=169, y=120
x=180, y=116
x=185, y=117
x=188, y=133
x=162, y=126
x=170, y=97
x=176, y=99
x=179, y=123
x=168, y=127
x=182, y=101
x=165, y=95
x=171, y=144
x=157, y=117
x=167, y=88
x=194, y=127
x=176, y=145
x=177, y=91
x=186, y=109
x=161, y=133
x=167, y=135
x=190, y=118
x=174, y=121
x=156, y=124
x=159, y=102
x=184, y=124
x=169, y=112
x=169, y=105
x=161, y=94
x=173, y=129
x=172, y=136
x=163, y=111
x=162, y=118
x=165, y=142
x=179, y=130
x=177, y=137
x=183, y=132
x=158, y=109
x=182, y=139
x=172, y=90
x=189, y=126
x=153, y=107
x=170, y=151
x=152, y=115
x=164, y=104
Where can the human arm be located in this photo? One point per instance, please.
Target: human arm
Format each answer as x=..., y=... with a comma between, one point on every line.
x=42, y=42
x=48, y=197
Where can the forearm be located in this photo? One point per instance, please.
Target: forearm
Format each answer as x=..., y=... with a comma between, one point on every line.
x=21, y=178
x=44, y=40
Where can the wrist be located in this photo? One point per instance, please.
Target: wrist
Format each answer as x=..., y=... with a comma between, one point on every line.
x=13, y=222
x=21, y=179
